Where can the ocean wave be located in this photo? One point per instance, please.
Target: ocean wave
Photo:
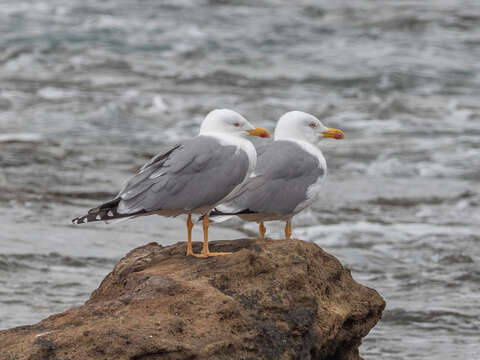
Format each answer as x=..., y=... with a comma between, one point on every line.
x=44, y=262
x=21, y=138
x=450, y=318
x=421, y=200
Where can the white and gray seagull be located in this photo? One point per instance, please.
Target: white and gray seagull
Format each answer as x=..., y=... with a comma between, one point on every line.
x=191, y=178
x=288, y=177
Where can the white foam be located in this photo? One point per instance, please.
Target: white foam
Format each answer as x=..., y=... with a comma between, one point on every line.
x=53, y=93
x=20, y=137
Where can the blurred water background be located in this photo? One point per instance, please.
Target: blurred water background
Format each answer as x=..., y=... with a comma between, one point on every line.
x=90, y=90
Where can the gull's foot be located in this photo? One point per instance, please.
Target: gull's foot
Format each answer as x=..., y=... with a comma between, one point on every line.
x=189, y=251
x=206, y=255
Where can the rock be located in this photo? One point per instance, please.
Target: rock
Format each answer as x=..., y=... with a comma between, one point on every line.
x=270, y=299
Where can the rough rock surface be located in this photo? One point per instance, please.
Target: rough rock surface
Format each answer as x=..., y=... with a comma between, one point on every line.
x=270, y=299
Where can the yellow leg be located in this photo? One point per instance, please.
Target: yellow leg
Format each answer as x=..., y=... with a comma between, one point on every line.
x=288, y=230
x=205, y=251
x=189, y=229
x=262, y=230
x=206, y=224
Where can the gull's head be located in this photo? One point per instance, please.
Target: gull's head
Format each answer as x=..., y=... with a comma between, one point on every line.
x=230, y=122
x=299, y=125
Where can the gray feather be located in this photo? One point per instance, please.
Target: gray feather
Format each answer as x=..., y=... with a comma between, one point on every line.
x=283, y=174
x=196, y=173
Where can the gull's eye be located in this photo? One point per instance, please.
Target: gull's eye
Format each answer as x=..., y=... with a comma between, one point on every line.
x=236, y=124
x=312, y=125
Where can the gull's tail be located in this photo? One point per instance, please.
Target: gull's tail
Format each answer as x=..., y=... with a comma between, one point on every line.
x=217, y=215
x=105, y=212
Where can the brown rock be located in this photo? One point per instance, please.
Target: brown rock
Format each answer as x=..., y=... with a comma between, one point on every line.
x=271, y=299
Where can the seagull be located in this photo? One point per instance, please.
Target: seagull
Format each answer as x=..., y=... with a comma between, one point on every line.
x=191, y=178
x=288, y=177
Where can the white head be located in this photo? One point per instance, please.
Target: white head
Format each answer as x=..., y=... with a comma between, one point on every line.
x=229, y=122
x=298, y=125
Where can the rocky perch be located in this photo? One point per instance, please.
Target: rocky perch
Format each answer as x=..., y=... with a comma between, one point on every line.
x=270, y=299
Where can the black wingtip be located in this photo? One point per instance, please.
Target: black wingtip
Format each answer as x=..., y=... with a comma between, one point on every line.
x=103, y=215
x=79, y=220
x=106, y=211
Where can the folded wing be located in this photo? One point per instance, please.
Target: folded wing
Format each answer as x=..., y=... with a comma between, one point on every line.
x=280, y=182
x=196, y=173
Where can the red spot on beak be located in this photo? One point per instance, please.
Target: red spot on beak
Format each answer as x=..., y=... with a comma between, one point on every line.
x=263, y=135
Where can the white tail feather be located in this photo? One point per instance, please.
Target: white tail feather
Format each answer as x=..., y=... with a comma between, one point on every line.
x=221, y=218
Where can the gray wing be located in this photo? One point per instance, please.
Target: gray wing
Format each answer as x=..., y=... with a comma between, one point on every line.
x=197, y=172
x=283, y=174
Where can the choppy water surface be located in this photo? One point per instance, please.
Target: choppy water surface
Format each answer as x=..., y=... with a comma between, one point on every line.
x=89, y=90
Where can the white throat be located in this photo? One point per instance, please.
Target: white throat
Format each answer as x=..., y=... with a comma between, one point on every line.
x=282, y=133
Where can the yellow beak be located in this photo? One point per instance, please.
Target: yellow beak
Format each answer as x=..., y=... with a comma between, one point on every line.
x=259, y=132
x=334, y=133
